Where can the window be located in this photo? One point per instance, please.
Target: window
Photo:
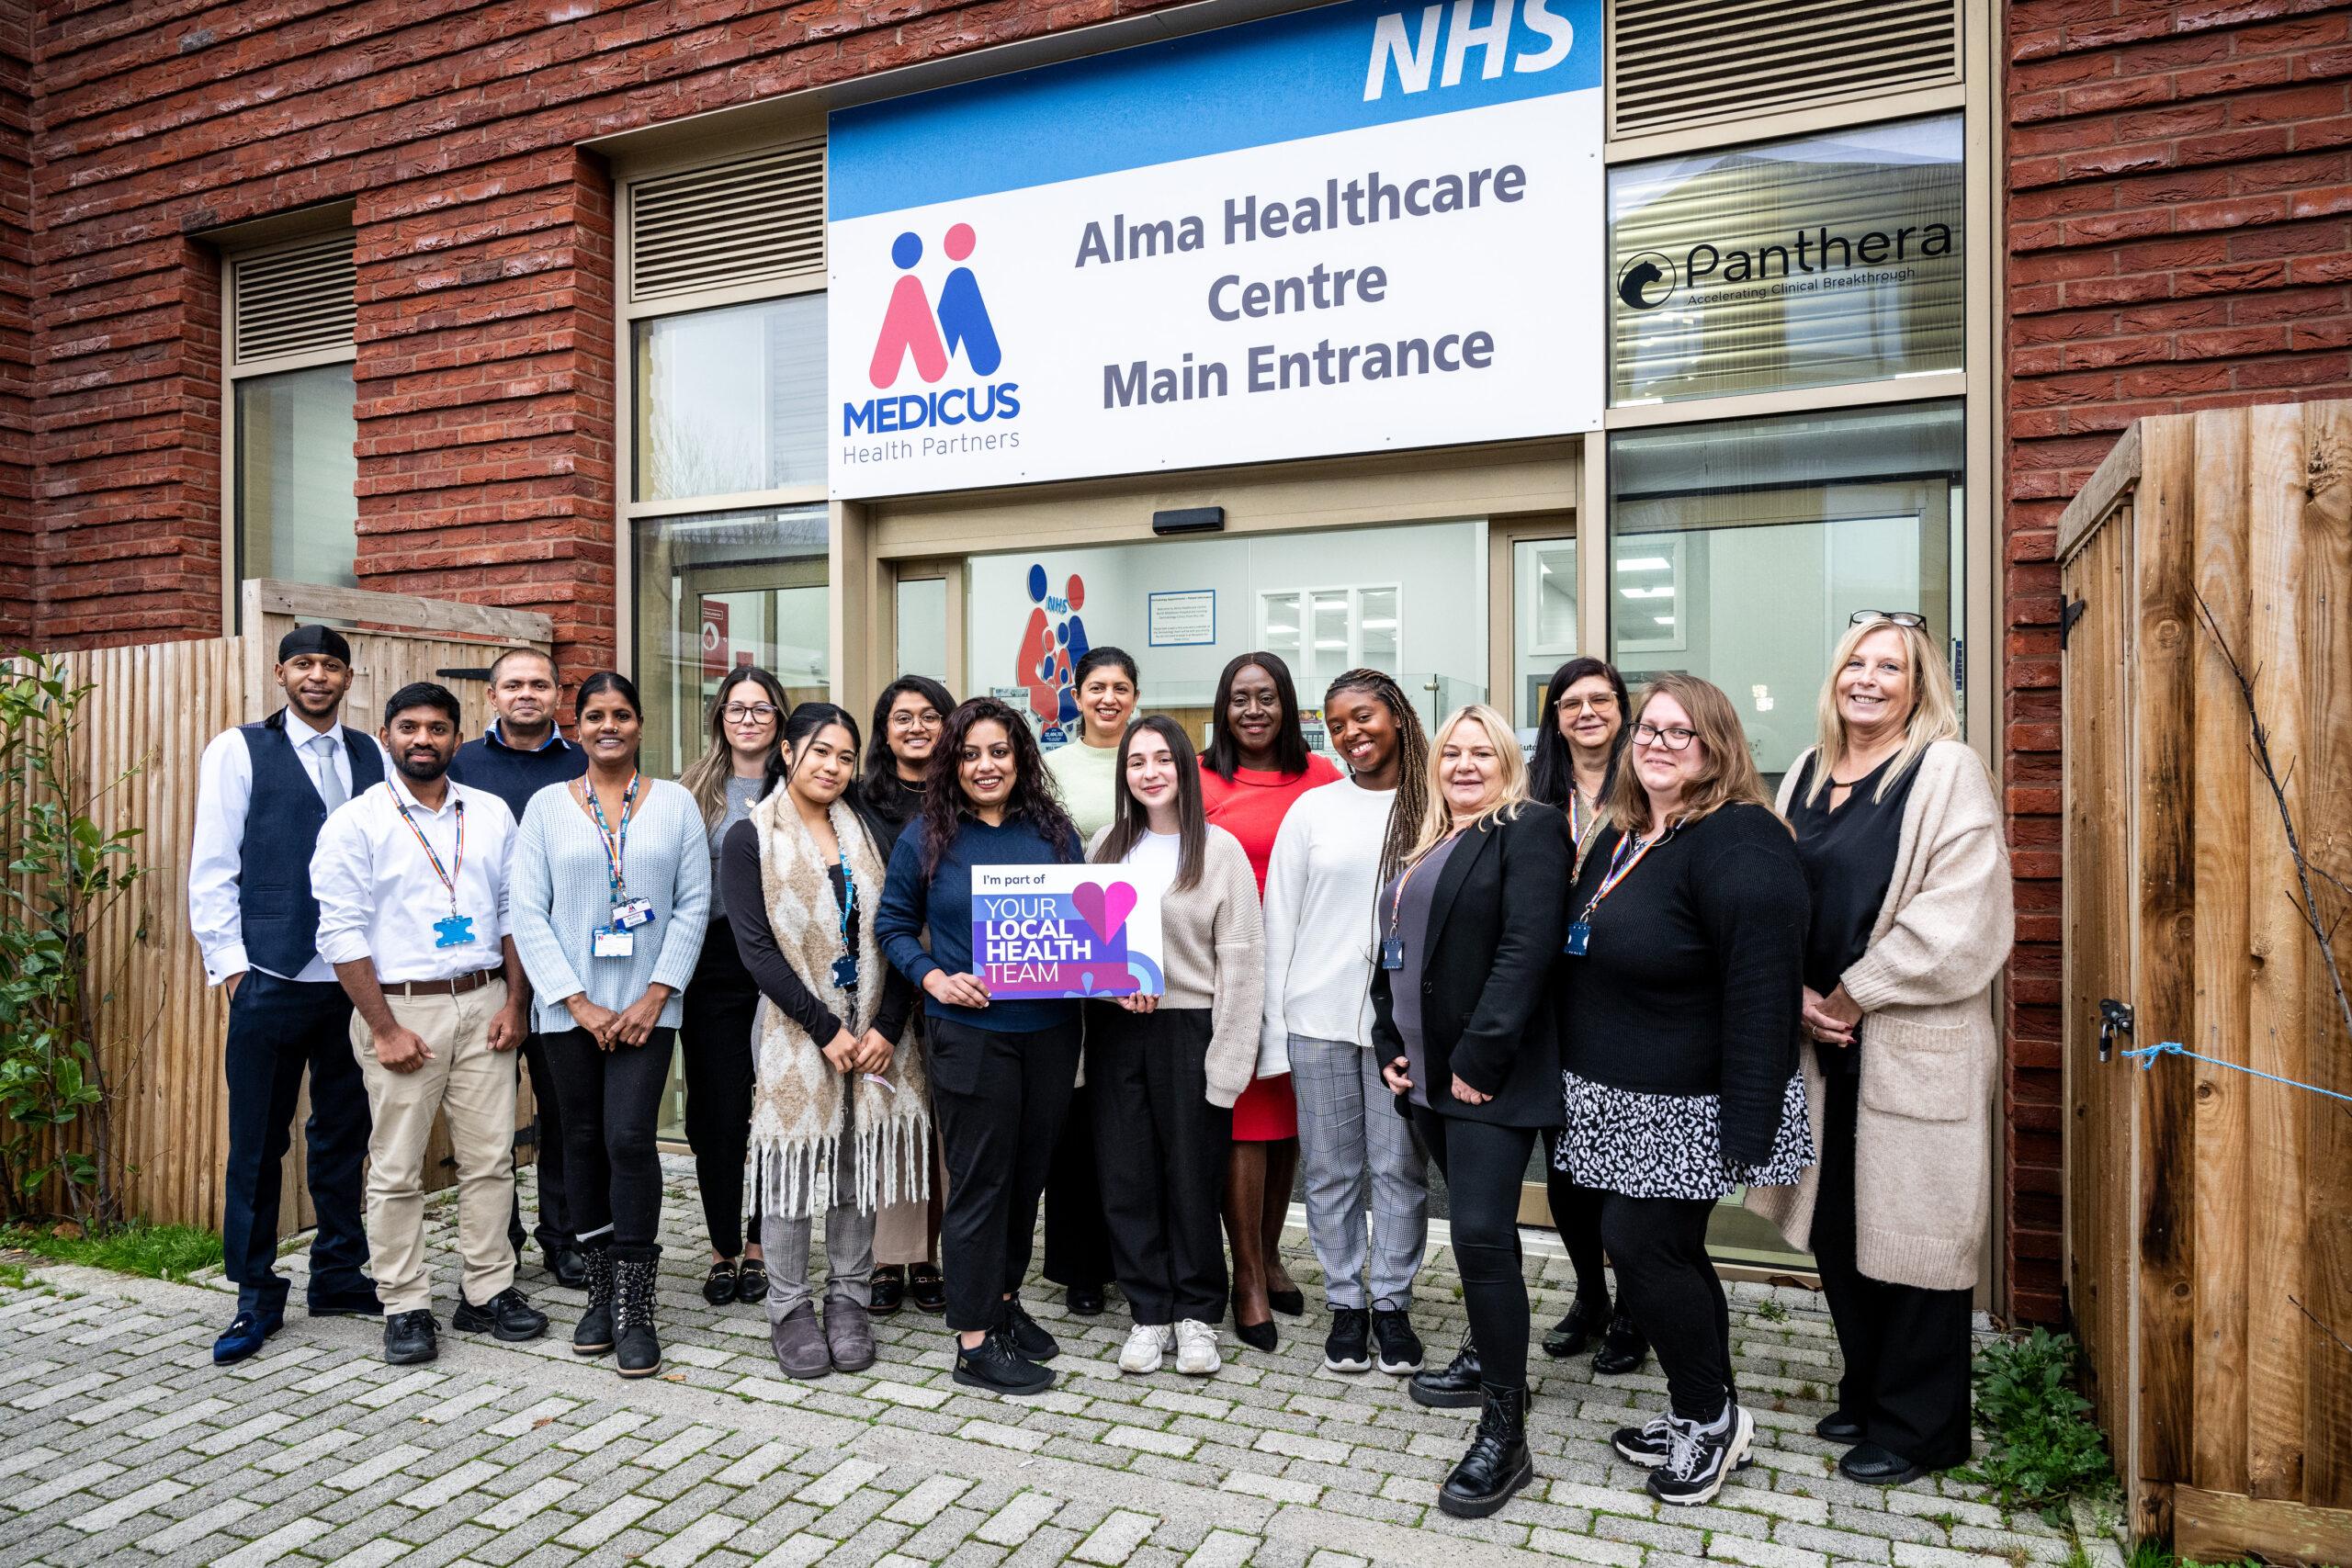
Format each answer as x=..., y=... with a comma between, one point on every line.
x=731, y=401
x=293, y=447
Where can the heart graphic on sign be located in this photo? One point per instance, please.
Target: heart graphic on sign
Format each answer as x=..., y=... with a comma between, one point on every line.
x=1105, y=908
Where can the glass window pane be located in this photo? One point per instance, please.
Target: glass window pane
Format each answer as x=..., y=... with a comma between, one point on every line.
x=298, y=475
x=717, y=590
x=731, y=401
x=1544, y=575
x=922, y=628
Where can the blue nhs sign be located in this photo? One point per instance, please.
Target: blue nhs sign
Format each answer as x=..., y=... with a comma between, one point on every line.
x=1524, y=37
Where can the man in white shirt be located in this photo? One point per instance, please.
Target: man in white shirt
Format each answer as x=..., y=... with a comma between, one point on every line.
x=250, y=907
x=410, y=880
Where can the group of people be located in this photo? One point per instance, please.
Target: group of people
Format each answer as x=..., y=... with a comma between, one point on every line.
x=1620, y=957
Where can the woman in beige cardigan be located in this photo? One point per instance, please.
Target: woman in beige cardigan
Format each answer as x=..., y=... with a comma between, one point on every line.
x=1901, y=839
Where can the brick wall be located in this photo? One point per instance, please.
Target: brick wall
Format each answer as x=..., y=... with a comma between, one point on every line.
x=2179, y=207
x=16, y=538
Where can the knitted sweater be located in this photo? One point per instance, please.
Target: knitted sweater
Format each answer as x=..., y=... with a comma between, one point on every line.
x=1212, y=951
x=1922, y=1135
x=1322, y=885
x=561, y=897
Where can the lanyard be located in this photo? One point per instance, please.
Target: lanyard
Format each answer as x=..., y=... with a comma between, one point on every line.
x=457, y=863
x=1620, y=866
x=849, y=892
x=1396, y=900
x=616, y=843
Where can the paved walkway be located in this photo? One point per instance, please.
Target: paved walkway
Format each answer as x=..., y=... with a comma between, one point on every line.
x=120, y=1443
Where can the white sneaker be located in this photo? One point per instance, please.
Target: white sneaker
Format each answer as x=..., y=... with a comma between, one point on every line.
x=1147, y=1343
x=1196, y=1354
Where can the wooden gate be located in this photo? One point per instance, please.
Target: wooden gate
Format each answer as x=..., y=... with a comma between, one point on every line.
x=2209, y=1212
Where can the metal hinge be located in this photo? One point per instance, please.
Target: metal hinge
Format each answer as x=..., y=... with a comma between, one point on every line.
x=2114, y=1018
x=2068, y=613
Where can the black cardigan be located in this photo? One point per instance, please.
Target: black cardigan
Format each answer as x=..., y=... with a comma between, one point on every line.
x=1488, y=1014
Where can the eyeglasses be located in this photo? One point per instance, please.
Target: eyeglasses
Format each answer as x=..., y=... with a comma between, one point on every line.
x=1605, y=703
x=907, y=718
x=1675, y=739
x=748, y=712
x=1892, y=617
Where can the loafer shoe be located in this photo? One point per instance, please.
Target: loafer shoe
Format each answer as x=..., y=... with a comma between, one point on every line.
x=410, y=1338
x=244, y=1336
x=927, y=1287
x=355, y=1301
x=890, y=1290
x=1623, y=1347
x=567, y=1268
x=1084, y=1301
x=1838, y=1427
x=506, y=1316
x=1574, y=1331
x=1875, y=1466
x=752, y=1282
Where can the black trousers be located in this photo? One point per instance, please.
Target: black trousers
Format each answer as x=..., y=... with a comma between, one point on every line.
x=278, y=1030
x=1001, y=1098
x=1667, y=1282
x=612, y=1171
x=1078, y=1238
x=1484, y=1165
x=1576, y=1214
x=1161, y=1148
x=553, y=1232
x=1906, y=1350
x=721, y=1067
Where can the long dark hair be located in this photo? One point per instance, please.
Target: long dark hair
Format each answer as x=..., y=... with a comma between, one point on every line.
x=1130, y=821
x=1035, y=800
x=1553, y=776
x=1412, y=804
x=881, y=763
x=706, y=777
x=1223, y=754
x=798, y=725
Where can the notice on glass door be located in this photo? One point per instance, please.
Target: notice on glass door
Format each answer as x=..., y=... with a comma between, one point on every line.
x=1186, y=618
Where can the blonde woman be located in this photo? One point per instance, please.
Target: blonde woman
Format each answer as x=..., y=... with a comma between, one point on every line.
x=1901, y=839
x=1468, y=930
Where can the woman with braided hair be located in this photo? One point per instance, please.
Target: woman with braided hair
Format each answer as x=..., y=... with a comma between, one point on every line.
x=1336, y=847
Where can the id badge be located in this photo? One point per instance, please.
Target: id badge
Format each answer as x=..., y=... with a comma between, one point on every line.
x=1579, y=935
x=1392, y=952
x=631, y=913
x=615, y=944
x=845, y=973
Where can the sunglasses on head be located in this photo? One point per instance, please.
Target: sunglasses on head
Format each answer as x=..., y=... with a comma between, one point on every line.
x=1892, y=617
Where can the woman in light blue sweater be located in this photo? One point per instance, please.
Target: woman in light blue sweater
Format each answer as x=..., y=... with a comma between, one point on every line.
x=611, y=890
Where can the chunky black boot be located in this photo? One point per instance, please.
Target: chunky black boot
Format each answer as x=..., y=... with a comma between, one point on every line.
x=1496, y=1465
x=639, y=1351
x=594, y=1336
x=1456, y=1387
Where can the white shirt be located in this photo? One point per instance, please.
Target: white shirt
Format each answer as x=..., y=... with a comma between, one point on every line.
x=224, y=789
x=1157, y=855
x=1322, y=884
x=381, y=898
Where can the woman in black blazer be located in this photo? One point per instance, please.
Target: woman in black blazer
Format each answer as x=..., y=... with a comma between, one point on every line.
x=1462, y=1015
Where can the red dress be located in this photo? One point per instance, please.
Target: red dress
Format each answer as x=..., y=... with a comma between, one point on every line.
x=1252, y=808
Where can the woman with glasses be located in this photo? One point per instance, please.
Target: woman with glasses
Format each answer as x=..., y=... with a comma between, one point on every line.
x=746, y=717
x=1900, y=835
x=1681, y=978
x=1576, y=755
x=908, y=717
x=1464, y=1030
x=1255, y=769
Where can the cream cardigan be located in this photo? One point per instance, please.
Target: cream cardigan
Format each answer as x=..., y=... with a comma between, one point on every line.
x=1923, y=1133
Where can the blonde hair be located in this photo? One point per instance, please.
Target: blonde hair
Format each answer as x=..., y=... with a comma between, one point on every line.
x=1934, y=707
x=1730, y=774
x=1437, y=817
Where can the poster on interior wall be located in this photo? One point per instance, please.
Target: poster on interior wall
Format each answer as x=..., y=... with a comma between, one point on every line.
x=1184, y=617
x=1364, y=227
x=1067, y=930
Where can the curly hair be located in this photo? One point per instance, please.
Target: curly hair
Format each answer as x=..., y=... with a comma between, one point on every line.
x=1035, y=800
x=1405, y=811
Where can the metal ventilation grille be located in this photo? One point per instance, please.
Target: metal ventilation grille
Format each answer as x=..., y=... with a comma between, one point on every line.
x=749, y=220
x=298, y=300
x=1682, y=63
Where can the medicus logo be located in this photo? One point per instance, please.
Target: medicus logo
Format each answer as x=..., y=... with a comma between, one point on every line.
x=930, y=331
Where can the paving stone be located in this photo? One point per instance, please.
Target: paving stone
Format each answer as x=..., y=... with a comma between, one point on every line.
x=1115, y=1539
x=73, y=1481
x=286, y=1537
x=607, y=1522
x=123, y=1509
x=1018, y=1521
x=921, y=1506
x=450, y=1485
x=213, y=1521
x=1223, y=1548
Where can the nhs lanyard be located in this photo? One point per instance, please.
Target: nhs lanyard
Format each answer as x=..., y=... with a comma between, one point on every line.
x=845, y=966
x=1629, y=852
x=1392, y=945
x=615, y=842
x=448, y=874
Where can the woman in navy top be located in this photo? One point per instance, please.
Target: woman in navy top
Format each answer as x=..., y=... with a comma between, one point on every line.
x=1001, y=1072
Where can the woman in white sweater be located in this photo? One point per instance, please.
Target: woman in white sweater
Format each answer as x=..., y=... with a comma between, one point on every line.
x=611, y=892
x=1340, y=843
x=1165, y=1070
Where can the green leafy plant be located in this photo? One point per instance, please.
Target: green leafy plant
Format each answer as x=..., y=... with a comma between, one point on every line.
x=63, y=871
x=2045, y=1448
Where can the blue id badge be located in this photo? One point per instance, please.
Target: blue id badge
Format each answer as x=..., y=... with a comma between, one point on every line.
x=1579, y=935
x=631, y=913
x=1392, y=952
x=845, y=973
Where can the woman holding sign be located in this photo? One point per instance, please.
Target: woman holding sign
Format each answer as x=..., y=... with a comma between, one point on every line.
x=611, y=892
x=1164, y=1071
x=1463, y=1020
x=1001, y=1069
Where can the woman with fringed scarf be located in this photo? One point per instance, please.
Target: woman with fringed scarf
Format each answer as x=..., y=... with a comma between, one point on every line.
x=839, y=1118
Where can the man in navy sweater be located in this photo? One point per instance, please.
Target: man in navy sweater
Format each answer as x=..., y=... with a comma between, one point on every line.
x=520, y=754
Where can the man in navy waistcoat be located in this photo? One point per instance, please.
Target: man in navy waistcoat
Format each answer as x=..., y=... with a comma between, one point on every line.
x=262, y=793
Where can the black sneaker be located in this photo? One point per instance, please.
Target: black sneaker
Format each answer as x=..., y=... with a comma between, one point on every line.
x=1030, y=1342
x=410, y=1338
x=1400, y=1348
x=1700, y=1459
x=506, y=1316
x=1348, y=1347
x=995, y=1366
x=1648, y=1444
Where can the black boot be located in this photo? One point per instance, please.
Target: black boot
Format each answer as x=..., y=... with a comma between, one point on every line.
x=594, y=1336
x=1496, y=1465
x=1455, y=1388
x=639, y=1350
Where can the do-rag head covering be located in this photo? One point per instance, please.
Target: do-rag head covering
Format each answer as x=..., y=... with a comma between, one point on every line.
x=313, y=640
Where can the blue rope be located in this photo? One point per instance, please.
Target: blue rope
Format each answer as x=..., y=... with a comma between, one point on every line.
x=2146, y=1057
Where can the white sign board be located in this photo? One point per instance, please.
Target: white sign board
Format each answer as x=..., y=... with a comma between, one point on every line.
x=1184, y=618
x=1350, y=228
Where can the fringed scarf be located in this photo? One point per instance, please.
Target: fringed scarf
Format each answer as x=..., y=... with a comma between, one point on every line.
x=798, y=1110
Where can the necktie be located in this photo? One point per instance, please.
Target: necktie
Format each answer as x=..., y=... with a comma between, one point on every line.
x=331, y=789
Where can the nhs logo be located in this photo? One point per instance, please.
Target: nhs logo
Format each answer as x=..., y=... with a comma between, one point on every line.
x=1521, y=35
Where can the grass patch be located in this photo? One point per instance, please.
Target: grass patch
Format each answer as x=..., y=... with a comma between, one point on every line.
x=1772, y=1312
x=159, y=1252
x=2045, y=1448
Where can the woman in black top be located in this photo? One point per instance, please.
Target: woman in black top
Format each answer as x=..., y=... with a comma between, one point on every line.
x=1462, y=1020
x=908, y=719
x=1681, y=989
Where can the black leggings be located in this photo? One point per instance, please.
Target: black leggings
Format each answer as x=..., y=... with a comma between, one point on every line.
x=1001, y=1096
x=720, y=1062
x=612, y=1173
x=1483, y=1165
x=1576, y=1214
x=1667, y=1282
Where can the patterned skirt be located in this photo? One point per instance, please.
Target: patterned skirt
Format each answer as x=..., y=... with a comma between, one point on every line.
x=1671, y=1145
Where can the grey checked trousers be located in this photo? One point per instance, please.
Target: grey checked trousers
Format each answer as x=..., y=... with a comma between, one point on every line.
x=1355, y=1149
